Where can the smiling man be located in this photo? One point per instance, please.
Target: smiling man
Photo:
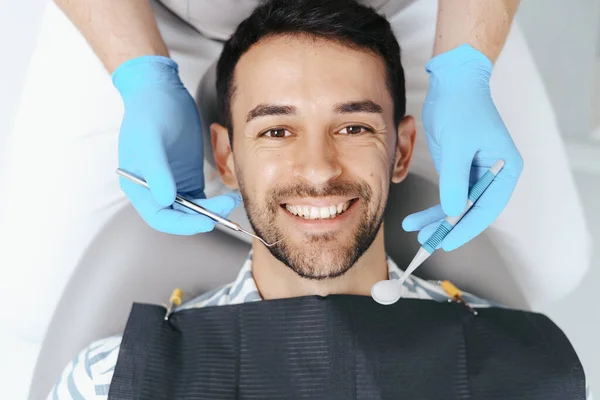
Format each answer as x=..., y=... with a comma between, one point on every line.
x=312, y=132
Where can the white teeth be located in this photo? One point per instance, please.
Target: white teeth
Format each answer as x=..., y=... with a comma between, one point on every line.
x=324, y=213
x=315, y=213
x=309, y=212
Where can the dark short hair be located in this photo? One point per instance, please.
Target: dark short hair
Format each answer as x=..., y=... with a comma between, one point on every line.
x=344, y=21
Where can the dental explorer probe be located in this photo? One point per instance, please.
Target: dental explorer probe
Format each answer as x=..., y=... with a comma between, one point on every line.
x=390, y=291
x=195, y=207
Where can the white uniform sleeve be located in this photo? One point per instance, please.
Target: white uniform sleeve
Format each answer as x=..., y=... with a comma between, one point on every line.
x=88, y=376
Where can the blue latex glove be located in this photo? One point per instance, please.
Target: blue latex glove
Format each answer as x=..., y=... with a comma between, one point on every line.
x=465, y=135
x=161, y=142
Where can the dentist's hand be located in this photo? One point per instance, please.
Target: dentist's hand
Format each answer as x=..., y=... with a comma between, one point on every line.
x=161, y=142
x=465, y=135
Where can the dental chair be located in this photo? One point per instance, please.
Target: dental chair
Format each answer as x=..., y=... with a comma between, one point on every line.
x=130, y=262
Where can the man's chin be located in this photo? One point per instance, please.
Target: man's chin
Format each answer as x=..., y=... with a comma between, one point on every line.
x=320, y=270
x=318, y=249
x=318, y=256
x=297, y=242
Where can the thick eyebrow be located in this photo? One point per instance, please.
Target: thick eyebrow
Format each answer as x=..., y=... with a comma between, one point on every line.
x=263, y=110
x=366, y=106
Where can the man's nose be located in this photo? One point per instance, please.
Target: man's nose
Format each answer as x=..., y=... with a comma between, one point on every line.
x=317, y=160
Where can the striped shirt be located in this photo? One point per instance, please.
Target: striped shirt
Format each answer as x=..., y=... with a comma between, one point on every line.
x=89, y=375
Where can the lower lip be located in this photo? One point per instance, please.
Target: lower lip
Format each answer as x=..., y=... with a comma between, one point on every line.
x=315, y=225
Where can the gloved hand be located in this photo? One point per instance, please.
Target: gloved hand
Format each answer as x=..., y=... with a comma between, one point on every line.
x=161, y=142
x=465, y=135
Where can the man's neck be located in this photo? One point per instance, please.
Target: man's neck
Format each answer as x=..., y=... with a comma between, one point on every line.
x=275, y=280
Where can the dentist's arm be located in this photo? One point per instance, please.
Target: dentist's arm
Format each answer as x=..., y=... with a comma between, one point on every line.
x=160, y=139
x=483, y=24
x=465, y=132
x=117, y=30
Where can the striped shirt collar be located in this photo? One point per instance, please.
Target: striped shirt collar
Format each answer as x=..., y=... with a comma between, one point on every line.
x=243, y=289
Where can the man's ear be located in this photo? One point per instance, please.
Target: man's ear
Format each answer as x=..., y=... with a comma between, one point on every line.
x=407, y=133
x=223, y=155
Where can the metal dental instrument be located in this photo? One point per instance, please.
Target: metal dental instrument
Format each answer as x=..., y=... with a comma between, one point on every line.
x=390, y=291
x=174, y=301
x=456, y=295
x=195, y=207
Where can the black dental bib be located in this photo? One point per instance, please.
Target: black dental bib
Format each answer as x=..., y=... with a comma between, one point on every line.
x=344, y=347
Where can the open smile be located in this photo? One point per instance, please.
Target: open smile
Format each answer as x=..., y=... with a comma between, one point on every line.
x=324, y=216
x=311, y=212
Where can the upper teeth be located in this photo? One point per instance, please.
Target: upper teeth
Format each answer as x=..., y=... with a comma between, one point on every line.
x=309, y=212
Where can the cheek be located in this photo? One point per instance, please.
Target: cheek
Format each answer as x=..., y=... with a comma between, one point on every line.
x=372, y=165
x=392, y=144
x=370, y=161
x=269, y=171
x=262, y=171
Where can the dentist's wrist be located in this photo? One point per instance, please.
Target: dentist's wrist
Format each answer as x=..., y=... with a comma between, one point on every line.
x=458, y=60
x=144, y=71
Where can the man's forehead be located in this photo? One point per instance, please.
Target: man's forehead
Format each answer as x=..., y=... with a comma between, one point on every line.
x=291, y=70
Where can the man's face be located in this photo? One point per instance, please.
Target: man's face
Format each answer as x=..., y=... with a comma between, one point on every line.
x=313, y=150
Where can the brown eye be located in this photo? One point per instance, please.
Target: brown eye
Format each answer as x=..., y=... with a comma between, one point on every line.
x=354, y=130
x=275, y=133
